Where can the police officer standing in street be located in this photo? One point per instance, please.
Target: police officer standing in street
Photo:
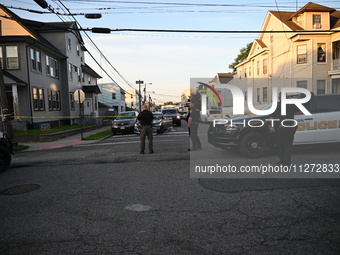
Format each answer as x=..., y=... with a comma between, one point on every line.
x=145, y=119
x=193, y=122
x=284, y=135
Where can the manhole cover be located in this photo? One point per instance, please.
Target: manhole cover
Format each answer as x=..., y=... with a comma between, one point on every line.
x=20, y=189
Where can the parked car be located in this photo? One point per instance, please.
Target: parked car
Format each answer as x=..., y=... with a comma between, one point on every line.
x=161, y=122
x=173, y=112
x=125, y=122
x=323, y=126
x=6, y=151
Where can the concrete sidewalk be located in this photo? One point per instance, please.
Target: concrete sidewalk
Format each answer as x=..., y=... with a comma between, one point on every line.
x=64, y=142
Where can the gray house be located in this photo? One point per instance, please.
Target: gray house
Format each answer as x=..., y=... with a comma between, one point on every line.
x=43, y=66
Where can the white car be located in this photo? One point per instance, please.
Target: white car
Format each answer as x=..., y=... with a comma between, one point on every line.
x=211, y=115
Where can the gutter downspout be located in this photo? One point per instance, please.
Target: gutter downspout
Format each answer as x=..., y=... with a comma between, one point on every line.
x=29, y=84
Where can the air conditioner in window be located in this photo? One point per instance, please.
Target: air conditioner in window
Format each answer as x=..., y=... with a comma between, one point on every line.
x=317, y=26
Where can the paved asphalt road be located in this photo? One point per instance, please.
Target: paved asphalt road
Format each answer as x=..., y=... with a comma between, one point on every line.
x=106, y=198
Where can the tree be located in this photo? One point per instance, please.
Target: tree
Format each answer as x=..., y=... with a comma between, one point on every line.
x=244, y=52
x=171, y=103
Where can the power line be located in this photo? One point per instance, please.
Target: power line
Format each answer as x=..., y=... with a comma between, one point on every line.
x=80, y=28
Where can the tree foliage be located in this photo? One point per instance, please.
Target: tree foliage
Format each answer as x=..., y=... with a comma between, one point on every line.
x=244, y=52
x=171, y=103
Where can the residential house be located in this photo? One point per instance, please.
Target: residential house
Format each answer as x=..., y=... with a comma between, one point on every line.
x=92, y=91
x=307, y=55
x=218, y=83
x=132, y=100
x=111, y=100
x=42, y=65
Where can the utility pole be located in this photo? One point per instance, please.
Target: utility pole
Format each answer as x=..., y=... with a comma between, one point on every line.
x=139, y=82
x=7, y=124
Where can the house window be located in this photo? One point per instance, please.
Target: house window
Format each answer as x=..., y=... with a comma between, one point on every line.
x=317, y=21
x=302, y=54
x=12, y=57
x=265, y=94
x=82, y=77
x=35, y=60
x=52, y=68
x=264, y=66
x=249, y=71
x=70, y=73
x=95, y=102
x=69, y=43
x=321, y=87
x=54, y=100
x=89, y=80
x=258, y=67
x=78, y=50
x=73, y=105
x=321, y=52
x=79, y=75
x=258, y=95
x=38, y=99
x=113, y=95
x=245, y=72
x=301, y=84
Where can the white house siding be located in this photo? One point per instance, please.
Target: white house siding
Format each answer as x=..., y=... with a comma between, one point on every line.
x=281, y=49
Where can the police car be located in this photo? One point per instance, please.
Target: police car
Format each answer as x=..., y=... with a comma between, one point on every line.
x=251, y=136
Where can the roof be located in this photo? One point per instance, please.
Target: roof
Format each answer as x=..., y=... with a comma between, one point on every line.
x=12, y=79
x=312, y=7
x=284, y=17
x=87, y=69
x=71, y=25
x=31, y=26
x=91, y=89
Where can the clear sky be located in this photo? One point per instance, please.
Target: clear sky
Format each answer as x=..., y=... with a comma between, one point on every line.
x=167, y=60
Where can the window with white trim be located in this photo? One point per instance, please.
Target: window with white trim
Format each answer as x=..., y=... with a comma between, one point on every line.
x=38, y=99
x=12, y=57
x=52, y=66
x=321, y=87
x=69, y=42
x=264, y=64
x=317, y=21
x=321, y=51
x=73, y=104
x=35, y=56
x=54, y=100
x=78, y=50
x=302, y=54
x=70, y=73
x=301, y=84
x=265, y=94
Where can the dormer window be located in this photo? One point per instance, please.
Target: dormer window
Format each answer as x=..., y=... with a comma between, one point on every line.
x=317, y=21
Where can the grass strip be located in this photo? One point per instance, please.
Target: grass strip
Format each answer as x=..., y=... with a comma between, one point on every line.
x=52, y=130
x=99, y=136
x=20, y=147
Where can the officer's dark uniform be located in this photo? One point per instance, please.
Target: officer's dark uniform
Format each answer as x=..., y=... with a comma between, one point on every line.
x=195, y=118
x=145, y=118
x=284, y=136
